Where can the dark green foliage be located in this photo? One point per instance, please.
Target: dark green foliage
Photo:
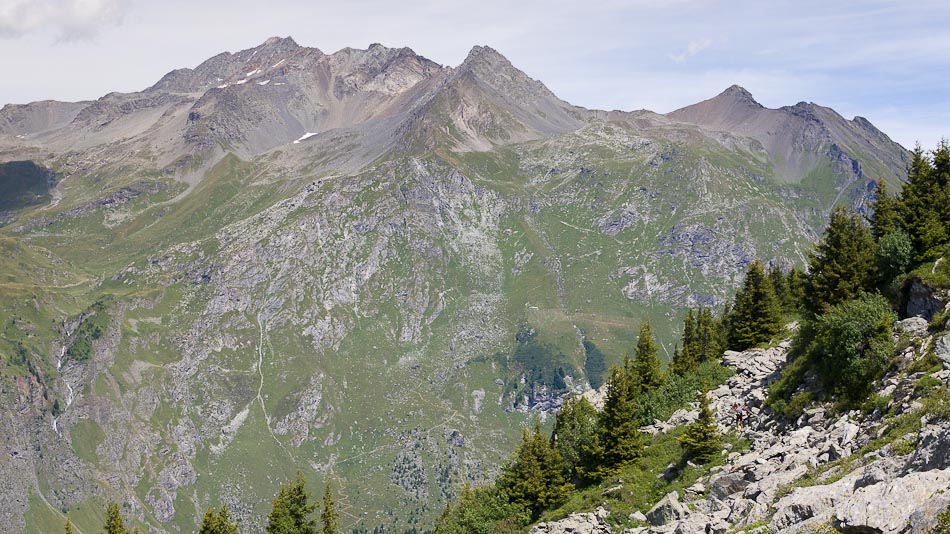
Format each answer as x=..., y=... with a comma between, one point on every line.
x=943, y=523
x=618, y=443
x=644, y=371
x=851, y=345
x=291, y=510
x=94, y=323
x=789, y=288
x=540, y=364
x=57, y=408
x=924, y=204
x=703, y=340
x=757, y=314
x=114, y=523
x=843, y=264
x=535, y=478
x=574, y=427
x=701, y=440
x=485, y=510
x=329, y=516
x=885, y=218
x=679, y=390
x=69, y=526
x=595, y=364
x=894, y=255
x=218, y=522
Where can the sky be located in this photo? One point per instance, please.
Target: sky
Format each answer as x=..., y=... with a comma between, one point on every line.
x=888, y=61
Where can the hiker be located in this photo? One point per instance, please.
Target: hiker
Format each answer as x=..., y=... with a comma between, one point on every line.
x=740, y=415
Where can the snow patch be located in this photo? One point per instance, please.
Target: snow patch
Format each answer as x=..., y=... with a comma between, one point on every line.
x=279, y=63
x=280, y=83
x=265, y=82
x=305, y=136
x=252, y=73
x=225, y=86
x=240, y=82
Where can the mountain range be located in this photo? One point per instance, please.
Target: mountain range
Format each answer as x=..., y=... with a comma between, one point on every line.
x=363, y=265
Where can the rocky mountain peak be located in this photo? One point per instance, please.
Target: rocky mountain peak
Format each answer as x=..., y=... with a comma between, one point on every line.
x=738, y=93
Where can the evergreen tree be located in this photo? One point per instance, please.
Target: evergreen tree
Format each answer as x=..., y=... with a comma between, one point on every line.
x=618, y=442
x=894, y=255
x=574, y=427
x=756, y=315
x=484, y=510
x=924, y=205
x=884, y=216
x=69, y=526
x=703, y=340
x=330, y=517
x=291, y=510
x=535, y=478
x=114, y=523
x=218, y=522
x=843, y=263
x=645, y=373
x=701, y=440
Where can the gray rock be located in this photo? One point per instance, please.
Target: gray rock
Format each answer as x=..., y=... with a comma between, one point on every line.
x=722, y=485
x=933, y=450
x=942, y=350
x=913, y=325
x=888, y=506
x=667, y=510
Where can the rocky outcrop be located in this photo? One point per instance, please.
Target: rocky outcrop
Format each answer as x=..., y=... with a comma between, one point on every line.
x=588, y=523
x=892, y=489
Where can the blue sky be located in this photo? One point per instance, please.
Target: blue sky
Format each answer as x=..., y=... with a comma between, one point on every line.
x=888, y=61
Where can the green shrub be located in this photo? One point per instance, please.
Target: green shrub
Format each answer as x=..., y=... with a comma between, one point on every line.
x=797, y=404
x=894, y=255
x=876, y=402
x=852, y=345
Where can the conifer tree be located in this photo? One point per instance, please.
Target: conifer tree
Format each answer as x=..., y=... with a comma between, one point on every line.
x=645, y=372
x=756, y=315
x=329, y=516
x=114, y=523
x=218, y=522
x=574, y=427
x=618, y=442
x=291, y=510
x=535, y=478
x=69, y=526
x=701, y=440
x=842, y=265
x=924, y=204
x=884, y=216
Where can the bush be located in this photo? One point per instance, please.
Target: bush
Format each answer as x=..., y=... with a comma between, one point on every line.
x=894, y=255
x=852, y=345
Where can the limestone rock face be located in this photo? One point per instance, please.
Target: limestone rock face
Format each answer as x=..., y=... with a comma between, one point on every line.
x=586, y=523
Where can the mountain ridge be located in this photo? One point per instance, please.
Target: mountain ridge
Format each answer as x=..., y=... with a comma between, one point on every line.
x=362, y=264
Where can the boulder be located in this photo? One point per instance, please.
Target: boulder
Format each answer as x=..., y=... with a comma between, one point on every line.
x=942, y=350
x=667, y=510
x=722, y=485
x=888, y=506
x=913, y=325
x=933, y=450
x=588, y=523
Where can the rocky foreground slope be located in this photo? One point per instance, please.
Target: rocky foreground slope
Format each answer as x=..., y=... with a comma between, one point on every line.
x=845, y=471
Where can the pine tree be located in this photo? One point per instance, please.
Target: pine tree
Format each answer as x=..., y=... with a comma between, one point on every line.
x=884, y=216
x=291, y=510
x=574, y=427
x=843, y=264
x=756, y=315
x=69, y=526
x=618, y=443
x=923, y=204
x=114, y=523
x=535, y=478
x=330, y=517
x=701, y=440
x=645, y=372
x=218, y=522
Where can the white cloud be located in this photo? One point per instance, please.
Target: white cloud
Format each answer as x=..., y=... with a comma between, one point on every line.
x=692, y=49
x=67, y=20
